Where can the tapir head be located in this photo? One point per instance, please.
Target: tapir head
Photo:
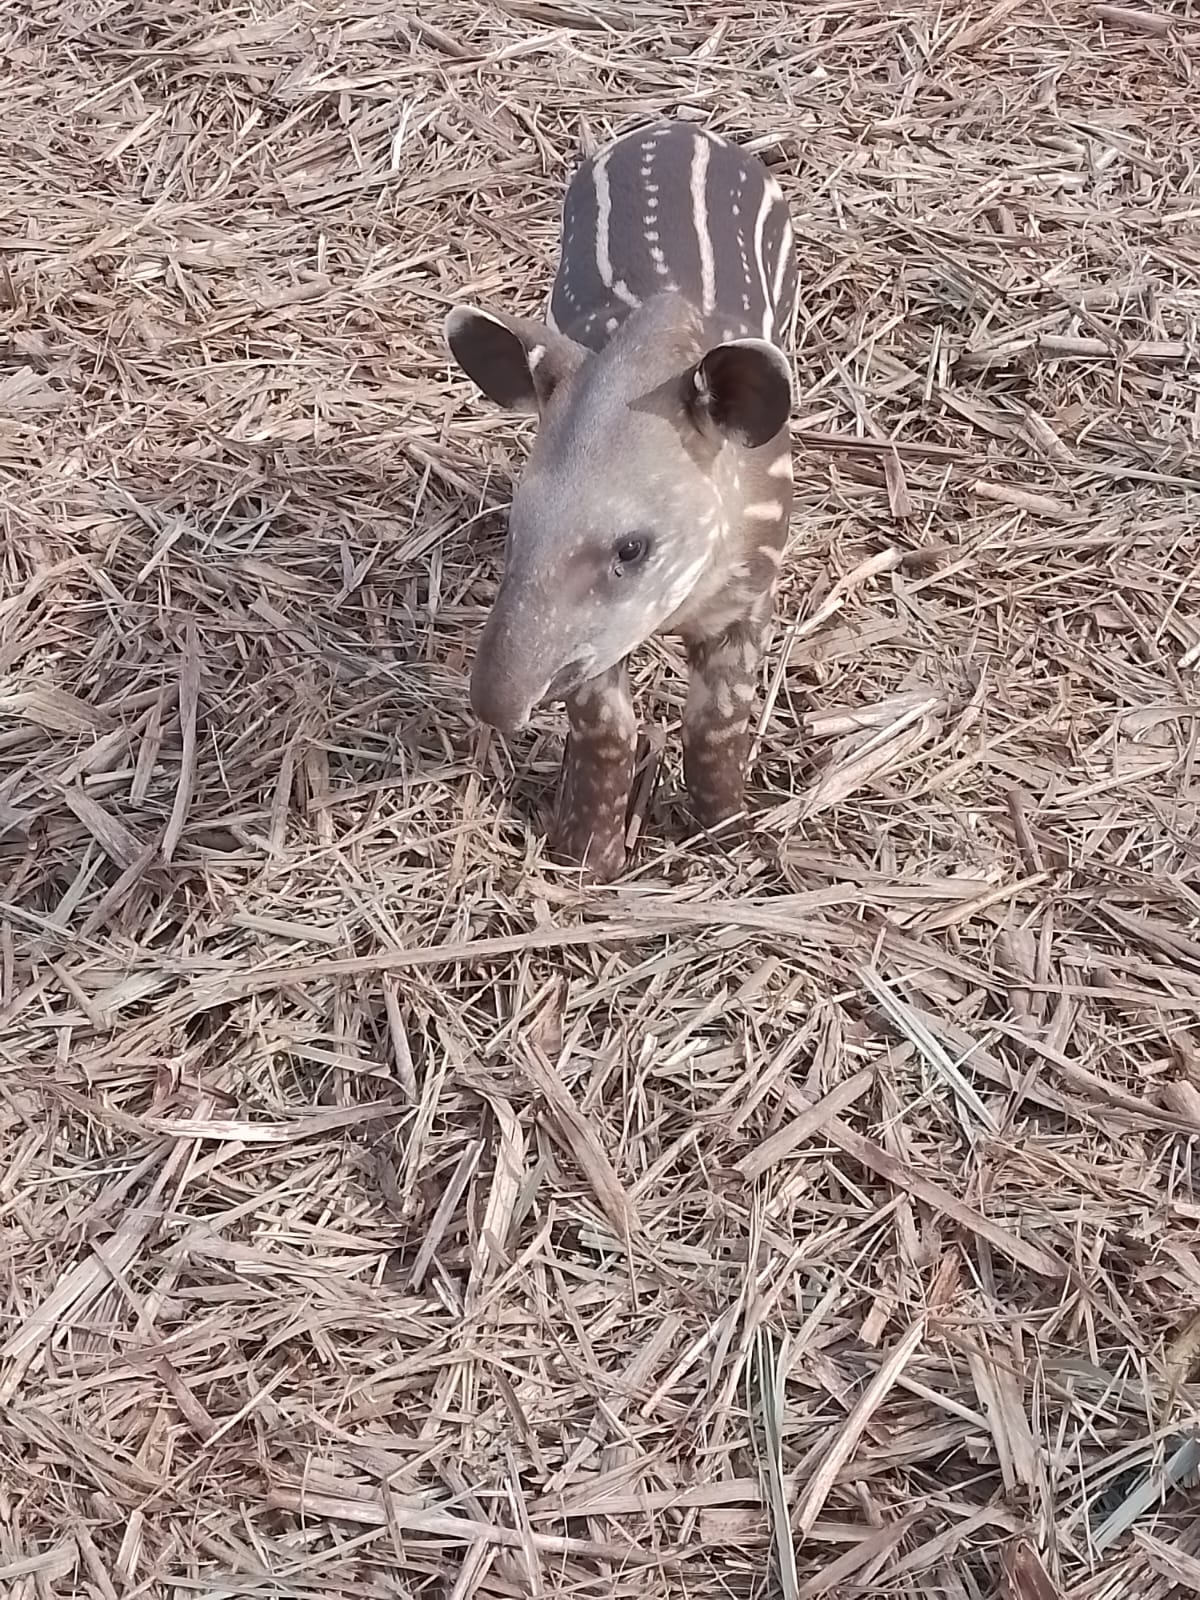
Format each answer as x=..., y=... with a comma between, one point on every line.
x=630, y=493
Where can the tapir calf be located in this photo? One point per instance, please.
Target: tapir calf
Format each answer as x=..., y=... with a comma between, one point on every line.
x=656, y=496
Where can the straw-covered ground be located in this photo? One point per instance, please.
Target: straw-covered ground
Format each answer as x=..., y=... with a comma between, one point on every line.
x=379, y=1215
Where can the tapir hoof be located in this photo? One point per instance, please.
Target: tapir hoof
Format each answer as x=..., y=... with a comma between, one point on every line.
x=601, y=858
x=723, y=827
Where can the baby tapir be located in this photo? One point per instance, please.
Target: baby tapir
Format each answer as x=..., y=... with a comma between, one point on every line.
x=656, y=495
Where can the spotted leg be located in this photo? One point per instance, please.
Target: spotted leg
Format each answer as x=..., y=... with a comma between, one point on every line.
x=716, y=720
x=597, y=772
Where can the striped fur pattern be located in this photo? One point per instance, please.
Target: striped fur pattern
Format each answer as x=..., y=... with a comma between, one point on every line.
x=675, y=207
x=657, y=492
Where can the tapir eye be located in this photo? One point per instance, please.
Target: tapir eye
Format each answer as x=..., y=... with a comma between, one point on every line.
x=630, y=553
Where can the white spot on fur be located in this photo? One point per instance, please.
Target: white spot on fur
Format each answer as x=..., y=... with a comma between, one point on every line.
x=681, y=583
x=775, y=557
x=614, y=712
x=781, y=467
x=697, y=697
x=612, y=324
x=764, y=510
x=535, y=356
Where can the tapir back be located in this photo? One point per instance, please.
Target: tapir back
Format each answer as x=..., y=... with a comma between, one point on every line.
x=672, y=206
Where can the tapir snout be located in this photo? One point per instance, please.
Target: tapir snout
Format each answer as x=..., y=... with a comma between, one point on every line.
x=521, y=664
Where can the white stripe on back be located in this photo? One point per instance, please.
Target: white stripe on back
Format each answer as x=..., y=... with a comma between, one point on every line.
x=785, y=244
x=603, y=213
x=603, y=217
x=768, y=321
x=708, y=274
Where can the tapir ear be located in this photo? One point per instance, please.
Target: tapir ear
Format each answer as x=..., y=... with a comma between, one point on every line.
x=744, y=389
x=517, y=363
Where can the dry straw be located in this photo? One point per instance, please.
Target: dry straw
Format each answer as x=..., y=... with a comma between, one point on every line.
x=379, y=1218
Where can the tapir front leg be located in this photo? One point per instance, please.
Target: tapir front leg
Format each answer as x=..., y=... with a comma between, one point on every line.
x=716, y=719
x=596, y=776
